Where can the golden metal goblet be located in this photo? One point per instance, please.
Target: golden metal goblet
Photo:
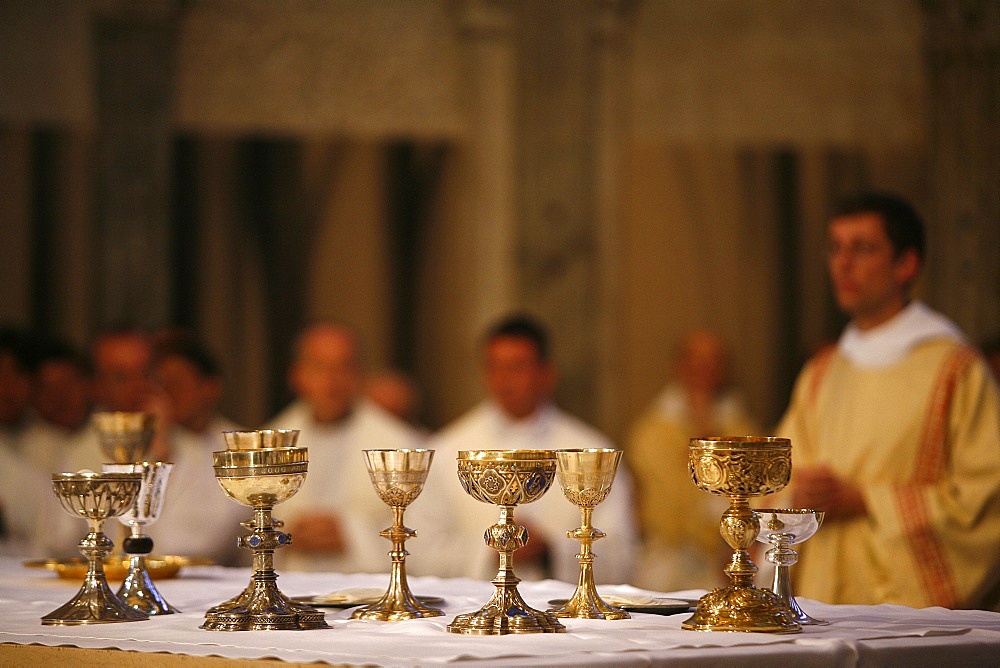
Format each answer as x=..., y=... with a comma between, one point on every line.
x=782, y=528
x=586, y=477
x=506, y=478
x=398, y=476
x=95, y=497
x=741, y=467
x=261, y=478
x=137, y=589
x=125, y=437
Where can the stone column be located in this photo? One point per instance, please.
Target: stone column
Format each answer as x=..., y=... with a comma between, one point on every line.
x=963, y=61
x=558, y=239
x=134, y=46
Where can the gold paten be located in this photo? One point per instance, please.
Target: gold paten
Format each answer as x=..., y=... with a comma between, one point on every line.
x=95, y=497
x=398, y=477
x=586, y=477
x=782, y=528
x=741, y=467
x=261, y=478
x=506, y=478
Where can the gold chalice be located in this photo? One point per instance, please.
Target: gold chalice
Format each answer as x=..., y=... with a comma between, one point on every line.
x=261, y=478
x=741, y=467
x=137, y=589
x=95, y=497
x=398, y=476
x=125, y=437
x=586, y=477
x=506, y=478
x=782, y=528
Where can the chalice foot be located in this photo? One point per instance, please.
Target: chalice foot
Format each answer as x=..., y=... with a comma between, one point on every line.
x=505, y=612
x=398, y=477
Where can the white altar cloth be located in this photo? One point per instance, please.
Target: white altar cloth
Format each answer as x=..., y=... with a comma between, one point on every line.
x=858, y=635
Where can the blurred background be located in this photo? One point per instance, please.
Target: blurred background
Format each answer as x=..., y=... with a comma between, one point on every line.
x=624, y=169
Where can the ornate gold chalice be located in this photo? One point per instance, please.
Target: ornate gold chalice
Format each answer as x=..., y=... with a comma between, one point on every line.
x=398, y=477
x=262, y=477
x=137, y=589
x=586, y=477
x=741, y=467
x=506, y=478
x=782, y=528
x=125, y=437
x=95, y=497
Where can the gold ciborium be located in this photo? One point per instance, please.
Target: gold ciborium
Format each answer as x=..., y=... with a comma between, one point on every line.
x=585, y=477
x=125, y=437
x=95, y=497
x=137, y=589
x=741, y=467
x=782, y=528
x=506, y=478
x=398, y=477
x=262, y=477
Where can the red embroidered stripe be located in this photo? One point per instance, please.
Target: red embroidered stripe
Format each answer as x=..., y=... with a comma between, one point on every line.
x=932, y=461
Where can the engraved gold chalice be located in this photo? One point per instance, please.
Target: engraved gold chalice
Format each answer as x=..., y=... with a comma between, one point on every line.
x=741, y=467
x=261, y=477
x=782, y=528
x=125, y=437
x=506, y=478
x=95, y=497
x=137, y=589
x=586, y=477
x=398, y=477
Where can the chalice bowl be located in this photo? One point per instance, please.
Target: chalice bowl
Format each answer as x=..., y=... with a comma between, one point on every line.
x=261, y=477
x=741, y=467
x=137, y=589
x=782, y=528
x=586, y=477
x=125, y=437
x=398, y=477
x=95, y=497
x=506, y=478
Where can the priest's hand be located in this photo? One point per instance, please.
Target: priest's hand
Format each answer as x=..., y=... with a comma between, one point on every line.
x=317, y=533
x=819, y=488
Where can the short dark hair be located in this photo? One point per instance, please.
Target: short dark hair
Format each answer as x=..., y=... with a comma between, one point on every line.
x=903, y=225
x=521, y=326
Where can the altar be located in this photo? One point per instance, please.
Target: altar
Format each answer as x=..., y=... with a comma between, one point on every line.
x=856, y=636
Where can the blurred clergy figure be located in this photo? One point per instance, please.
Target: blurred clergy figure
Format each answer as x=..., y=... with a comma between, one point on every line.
x=895, y=432
x=681, y=546
x=336, y=517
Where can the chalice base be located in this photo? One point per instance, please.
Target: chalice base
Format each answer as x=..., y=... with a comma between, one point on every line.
x=506, y=612
x=396, y=606
x=138, y=591
x=262, y=607
x=587, y=604
x=93, y=604
x=742, y=609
